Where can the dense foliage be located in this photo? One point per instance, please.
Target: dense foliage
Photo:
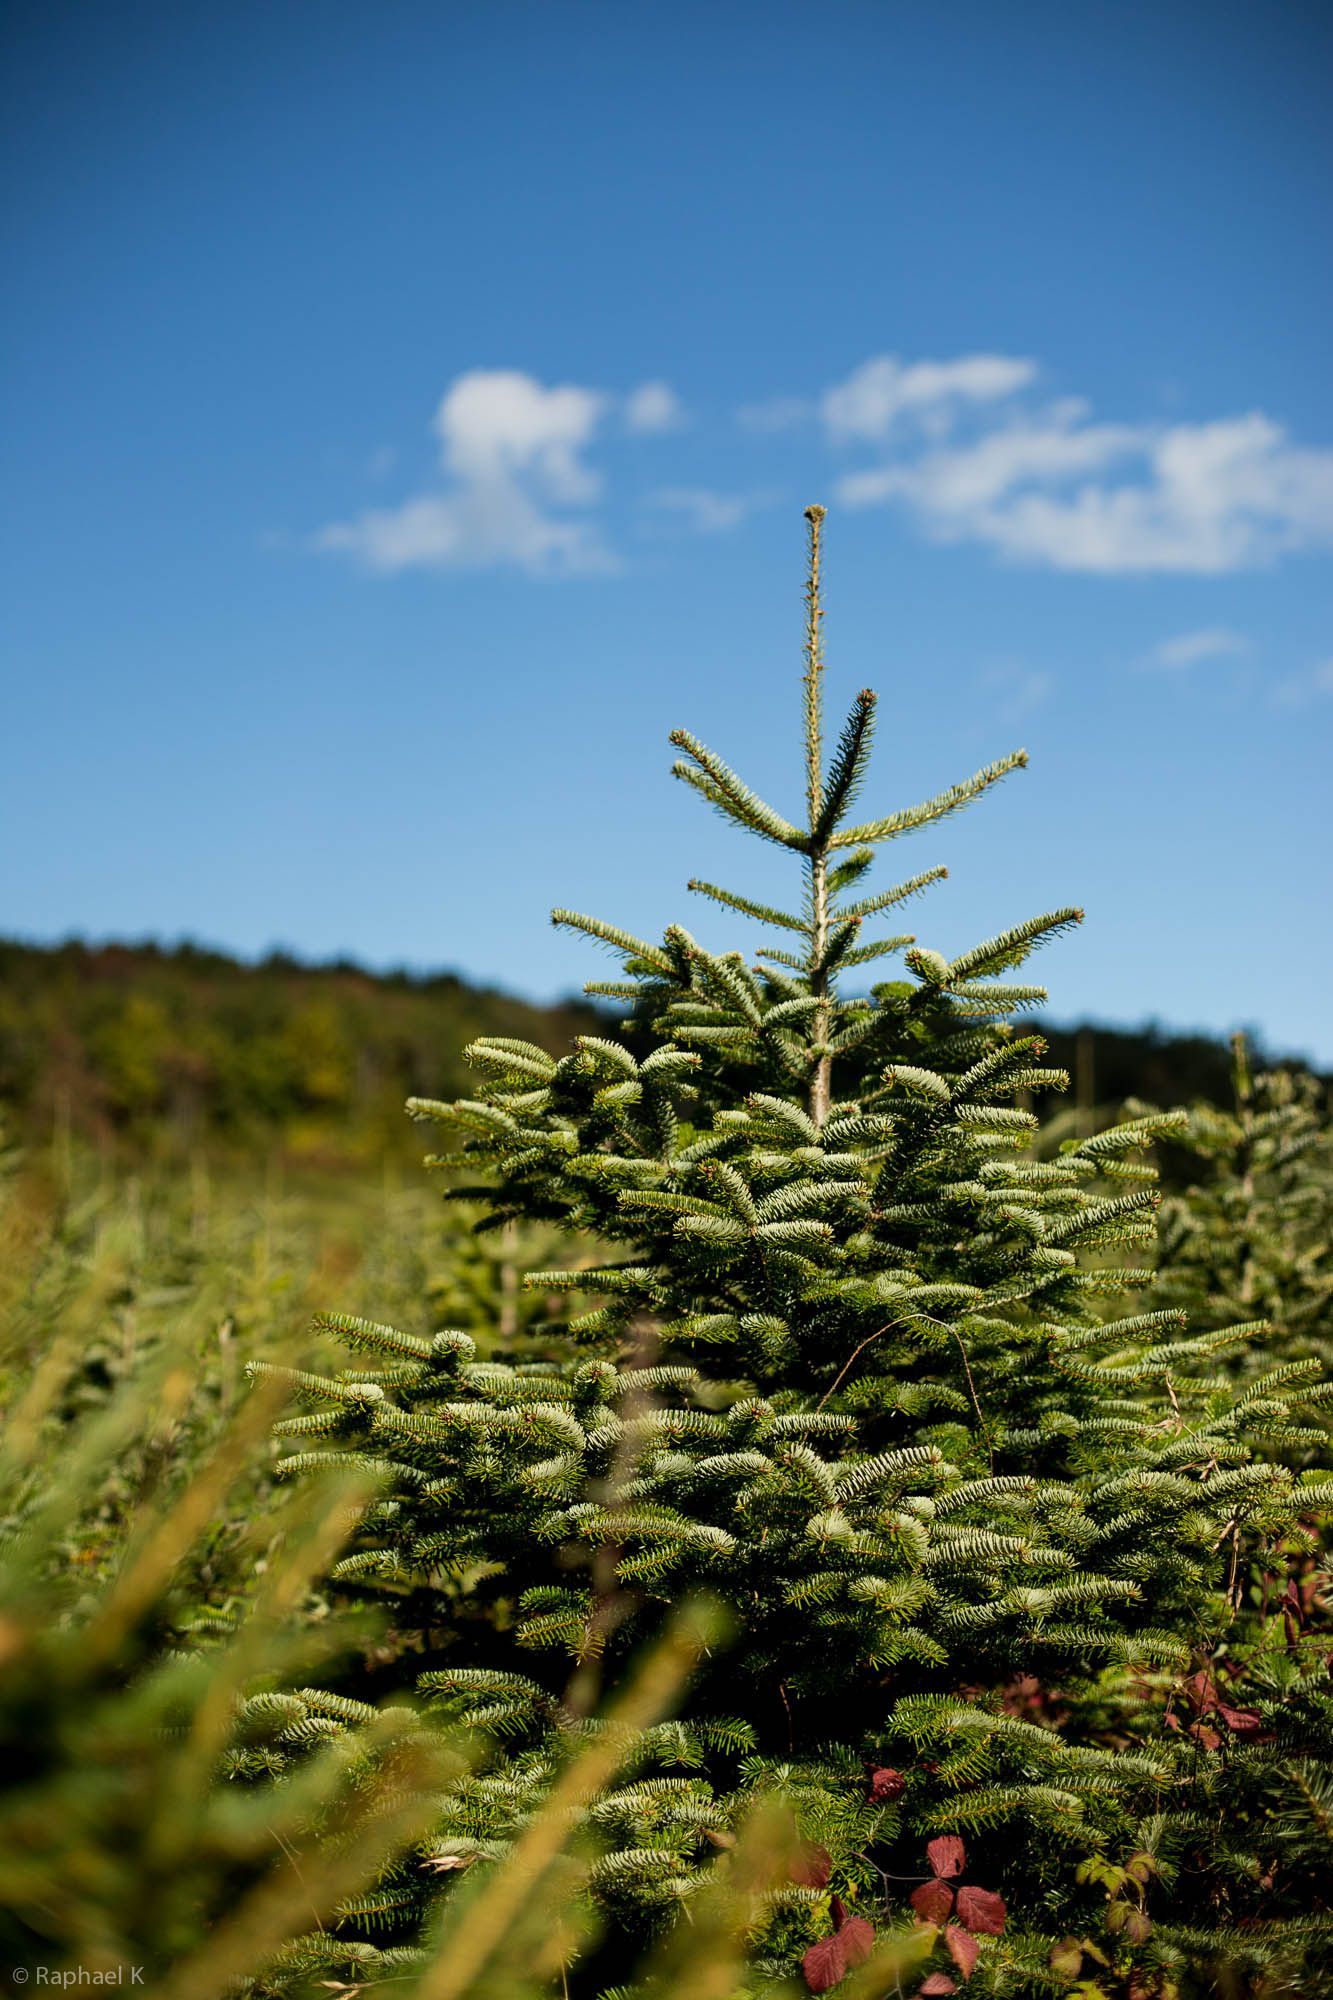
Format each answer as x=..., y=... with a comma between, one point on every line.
x=996, y=1543
x=1251, y=1229
x=156, y=1054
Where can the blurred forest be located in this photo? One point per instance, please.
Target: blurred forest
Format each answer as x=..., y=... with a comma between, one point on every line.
x=150, y=1054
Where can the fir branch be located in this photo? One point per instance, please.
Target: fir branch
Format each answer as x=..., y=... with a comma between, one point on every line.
x=747, y=908
x=939, y=807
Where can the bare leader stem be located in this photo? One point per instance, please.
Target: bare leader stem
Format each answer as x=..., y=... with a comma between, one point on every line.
x=822, y=1074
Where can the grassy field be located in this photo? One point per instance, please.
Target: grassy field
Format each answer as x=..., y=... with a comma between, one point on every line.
x=164, y=1222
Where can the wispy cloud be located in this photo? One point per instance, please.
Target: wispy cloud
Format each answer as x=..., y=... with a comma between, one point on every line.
x=884, y=389
x=1302, y=690
x=1054, y=486
x=518, y=488
x=706, y=511
x=653, y=407
x=961, y=446
x=1015, y=691
x=779, y=413
x=1190, y=649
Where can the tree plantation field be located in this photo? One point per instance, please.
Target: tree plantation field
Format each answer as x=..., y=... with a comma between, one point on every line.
x=834, y=1498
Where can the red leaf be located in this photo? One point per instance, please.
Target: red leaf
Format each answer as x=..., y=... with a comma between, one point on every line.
x=938, y=1982
x=857, y=1938
x=963, y=1949
x=885, y=1786
x=833, y=1957
x=981, y=1910
x=946, y=1854
x=933, y=1901
x=1245, y=1721
x=1201, y=1692
x=811, y=1867
x=823, y=1965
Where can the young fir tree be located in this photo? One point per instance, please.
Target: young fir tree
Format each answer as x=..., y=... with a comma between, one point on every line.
x=1253, y=1233
x=846, y=1365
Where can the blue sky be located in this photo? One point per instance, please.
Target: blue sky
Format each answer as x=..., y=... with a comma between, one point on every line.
x=409, y=412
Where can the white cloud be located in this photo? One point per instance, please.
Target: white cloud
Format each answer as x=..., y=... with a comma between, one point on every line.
x=1200, y=499
x=963, y=483
x=478, y=528
x=495, y=424
x=512, y=450
x=1215, y=642
x=653, y=406
x=883, y=389
x=958, y=444
x=707, y=512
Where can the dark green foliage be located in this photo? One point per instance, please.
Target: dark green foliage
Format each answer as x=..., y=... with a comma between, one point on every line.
x=152, y=1051
x=856, y=1361
x=1252, y=1231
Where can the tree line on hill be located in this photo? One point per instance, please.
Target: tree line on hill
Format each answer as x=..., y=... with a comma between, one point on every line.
x=147, y=1050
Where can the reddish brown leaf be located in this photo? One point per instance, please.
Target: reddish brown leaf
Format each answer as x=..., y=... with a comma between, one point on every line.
x=946, y=1854
x=857, y=1938
x=1201, y=1692
x=1244, y=1721
x=811, y=1867
x=933, y=1901
x=833, y=1957
x=885, y=1786
x=824, y=1965
x=938, y=1982
x=963, y=1949
x=982, y=1910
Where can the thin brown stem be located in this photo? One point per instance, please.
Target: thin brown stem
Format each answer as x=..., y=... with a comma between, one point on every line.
x=814, y=670
x=848, y=1364
x=821, y=1077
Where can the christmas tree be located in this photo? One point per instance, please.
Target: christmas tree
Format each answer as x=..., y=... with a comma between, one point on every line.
x=857, y=1364
x=1252, y=1233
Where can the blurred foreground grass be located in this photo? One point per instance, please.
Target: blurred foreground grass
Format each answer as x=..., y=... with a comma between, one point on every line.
x=162, y=1602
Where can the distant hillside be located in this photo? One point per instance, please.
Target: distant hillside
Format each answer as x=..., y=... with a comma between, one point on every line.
x=146, y=1050
x=151, y=1052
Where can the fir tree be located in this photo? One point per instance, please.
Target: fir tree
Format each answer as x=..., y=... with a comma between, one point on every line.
x=845, y=1366
x=1252, y=1234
